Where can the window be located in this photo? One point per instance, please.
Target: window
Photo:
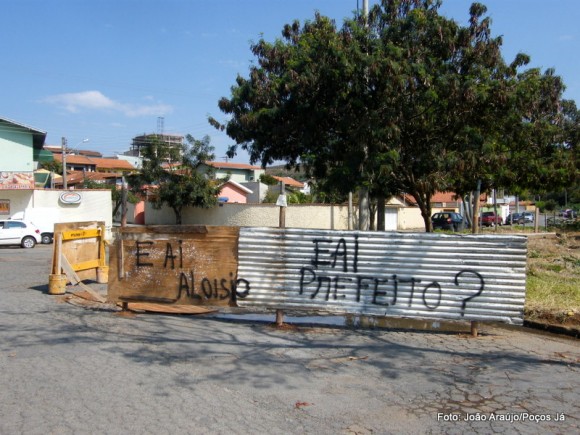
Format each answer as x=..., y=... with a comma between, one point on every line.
x=14, y=224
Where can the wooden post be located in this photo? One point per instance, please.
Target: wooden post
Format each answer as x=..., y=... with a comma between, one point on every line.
x=282, y=204
x=474, y=327
x=349, y=211
x=282, y=224
x=58, y=270
x=123, y=202
x=279, y=317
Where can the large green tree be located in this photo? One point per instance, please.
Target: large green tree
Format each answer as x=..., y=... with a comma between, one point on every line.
x=172, y=176
x=404, y=100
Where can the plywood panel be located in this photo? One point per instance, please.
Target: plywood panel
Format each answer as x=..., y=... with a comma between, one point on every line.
x=185, y=265
x=81, y=242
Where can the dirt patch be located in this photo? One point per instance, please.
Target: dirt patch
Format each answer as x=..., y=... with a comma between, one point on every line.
x=554, y=317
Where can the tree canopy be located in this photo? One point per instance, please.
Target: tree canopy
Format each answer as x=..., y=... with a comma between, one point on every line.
x=403, y=100
x=172, y=177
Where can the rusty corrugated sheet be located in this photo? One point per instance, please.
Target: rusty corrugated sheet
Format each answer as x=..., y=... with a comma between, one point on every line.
x=422, y=275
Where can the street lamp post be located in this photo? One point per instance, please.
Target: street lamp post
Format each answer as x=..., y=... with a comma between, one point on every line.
x=64, y=149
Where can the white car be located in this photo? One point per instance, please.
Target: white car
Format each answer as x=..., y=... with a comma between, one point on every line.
x=20, y=233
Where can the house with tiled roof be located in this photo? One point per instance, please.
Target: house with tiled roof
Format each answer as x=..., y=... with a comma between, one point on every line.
x=22, y=150
x=238, y=172
x=113, y=165
x=290, y=182
x=233, y=192
x=77, y=178
x=57, y=149
x=77, y=163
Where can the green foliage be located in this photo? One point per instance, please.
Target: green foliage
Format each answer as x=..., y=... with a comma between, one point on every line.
x=298, y=198
x=172, y=176
x=404, y=101
x=268, y=180
x=116, y=193
x=53, y=166
x=545, y=206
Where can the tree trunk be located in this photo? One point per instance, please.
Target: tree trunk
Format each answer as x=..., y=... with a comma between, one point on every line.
x=426, y=214
x=495, y=210
x=467, y=208
x=363, y=209
x=424, y=203
x=380, y=212
x=372, y=214
x=177, y=212
x=475, y=227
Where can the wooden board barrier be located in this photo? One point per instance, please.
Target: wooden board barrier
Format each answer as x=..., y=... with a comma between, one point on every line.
x=79, y=250
x=181, y=265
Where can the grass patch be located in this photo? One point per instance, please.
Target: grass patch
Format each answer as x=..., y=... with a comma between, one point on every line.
x=548, y=292
x=553, y=274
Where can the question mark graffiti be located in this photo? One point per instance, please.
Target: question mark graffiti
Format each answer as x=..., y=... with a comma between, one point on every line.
x=466, y=300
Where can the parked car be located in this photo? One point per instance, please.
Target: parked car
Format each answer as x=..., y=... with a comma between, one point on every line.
x=43, y=218
x=448, y=220
x=489, y=218
x=20, y=233
x=569, y=214
x=520, y=218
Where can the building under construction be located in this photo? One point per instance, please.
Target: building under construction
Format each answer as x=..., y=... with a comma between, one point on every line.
x=167, y=140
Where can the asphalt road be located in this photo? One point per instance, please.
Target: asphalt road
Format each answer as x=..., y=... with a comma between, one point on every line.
x=68, y=369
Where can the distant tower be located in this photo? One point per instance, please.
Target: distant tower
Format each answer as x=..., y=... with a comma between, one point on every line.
x=160, y=125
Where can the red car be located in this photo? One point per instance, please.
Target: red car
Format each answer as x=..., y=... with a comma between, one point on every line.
x=489, y=219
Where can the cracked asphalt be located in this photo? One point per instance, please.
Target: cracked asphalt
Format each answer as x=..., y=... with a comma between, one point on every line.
x=68, y=369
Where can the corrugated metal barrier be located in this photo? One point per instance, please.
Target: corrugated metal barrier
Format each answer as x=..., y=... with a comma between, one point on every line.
x=417, y=275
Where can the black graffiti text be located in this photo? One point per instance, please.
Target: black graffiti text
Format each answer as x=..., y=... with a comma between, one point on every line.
x=383, y=291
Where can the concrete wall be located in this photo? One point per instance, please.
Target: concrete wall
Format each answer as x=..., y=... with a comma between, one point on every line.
x=410, y=218
x=19, y=200
x=315, y=216
x=96, y=205
x=254, y=215
x=258, y=189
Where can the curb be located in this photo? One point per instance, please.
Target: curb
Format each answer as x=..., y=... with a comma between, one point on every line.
x=555, y=329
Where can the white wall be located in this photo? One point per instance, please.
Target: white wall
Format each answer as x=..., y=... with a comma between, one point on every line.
x=410, y=218
x=315, y=216
x=96, y=205
x=19, y=200
x=254, y=215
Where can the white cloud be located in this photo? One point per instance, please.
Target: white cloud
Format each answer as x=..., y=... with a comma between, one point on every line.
x=95, y=100
x=566, y=38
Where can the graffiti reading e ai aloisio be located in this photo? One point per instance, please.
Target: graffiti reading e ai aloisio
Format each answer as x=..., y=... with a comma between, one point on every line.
x=221, y=288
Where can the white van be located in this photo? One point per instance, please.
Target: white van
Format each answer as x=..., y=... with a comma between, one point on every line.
x=42, y=218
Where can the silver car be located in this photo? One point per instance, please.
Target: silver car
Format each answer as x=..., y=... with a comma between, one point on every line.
x=20, y=233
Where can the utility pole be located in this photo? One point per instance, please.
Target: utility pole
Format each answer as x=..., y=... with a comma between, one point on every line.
x=63, y=148
x=363, y=193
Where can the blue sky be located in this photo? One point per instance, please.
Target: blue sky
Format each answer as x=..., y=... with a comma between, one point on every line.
x=107, y=70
